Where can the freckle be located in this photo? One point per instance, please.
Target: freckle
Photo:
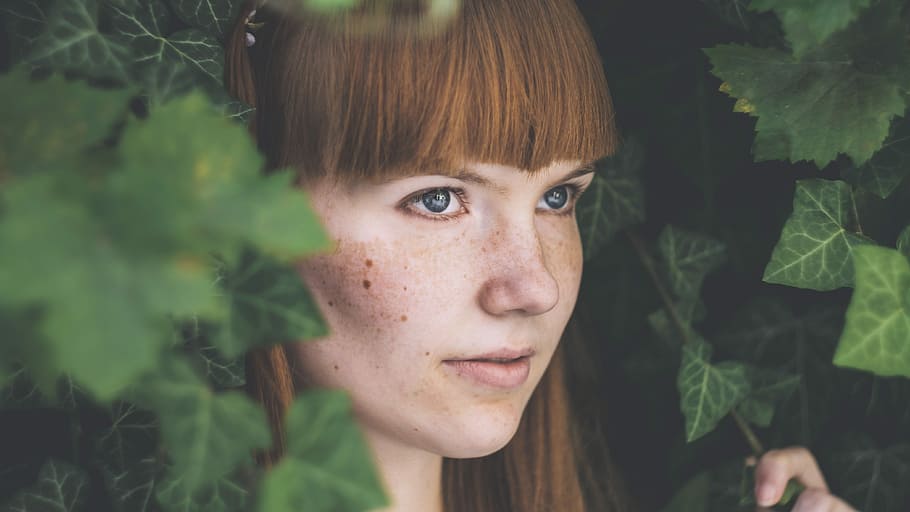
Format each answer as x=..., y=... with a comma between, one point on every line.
x=331, y=304
x=405, y=288
x=426, y=353
x=404, y=318
x=336, y=366
x=366, y=284
x=416, y=429
x=369, y=263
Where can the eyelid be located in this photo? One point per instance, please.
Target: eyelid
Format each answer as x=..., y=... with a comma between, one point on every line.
x=459, y=194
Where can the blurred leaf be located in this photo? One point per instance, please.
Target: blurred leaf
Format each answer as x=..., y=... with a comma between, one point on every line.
x=889, y=166
x=61, y=487
x=769, y=387
x=207, y=435
x=24, y=21
x=815, y=244
x=840, y=98
x=809, y=23
x=269, y=304
x=877, y=332
x=47, y=122
x=225, y=494
x=708, y=392
x=614, y=200
x=688, y=258
x=325, y=467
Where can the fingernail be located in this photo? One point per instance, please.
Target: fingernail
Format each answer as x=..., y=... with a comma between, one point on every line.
x=765, y=495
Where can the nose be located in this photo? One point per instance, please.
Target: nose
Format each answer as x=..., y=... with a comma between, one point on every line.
x=517, y=278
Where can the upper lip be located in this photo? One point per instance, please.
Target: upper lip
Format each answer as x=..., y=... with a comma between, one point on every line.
x=505, y=353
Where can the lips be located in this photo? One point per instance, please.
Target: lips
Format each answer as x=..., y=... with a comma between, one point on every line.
x=502, y=369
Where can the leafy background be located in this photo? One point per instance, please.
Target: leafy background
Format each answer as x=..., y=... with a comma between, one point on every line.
x=747, y=280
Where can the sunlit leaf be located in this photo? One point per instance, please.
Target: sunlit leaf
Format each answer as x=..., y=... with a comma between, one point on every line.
x=877, y=333
x=817, y=240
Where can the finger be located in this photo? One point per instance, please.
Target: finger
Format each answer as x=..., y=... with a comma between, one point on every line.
x=817, y=500
x=776, y=467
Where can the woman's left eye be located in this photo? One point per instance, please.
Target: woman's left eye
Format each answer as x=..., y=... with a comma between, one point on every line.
x=560, y=199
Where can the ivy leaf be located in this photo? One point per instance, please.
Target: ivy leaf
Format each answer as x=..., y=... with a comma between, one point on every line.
x=614, y=200
x=48, y=122
x=125, y=455
x=72, y=41
x=815, y=244
x=872, y=478
x=220, y=371
x=327, y=466
x=156, y=51
x=809, y=109
x=810, y=22
x=688, y=258
x=212, y=16
x=768, y=388
x=876, y=336
x=708, y=392
x=60, y=487
x=207, y=435
x=24, y=21
x=269, y=304
x=903, y=242
x=888, y=167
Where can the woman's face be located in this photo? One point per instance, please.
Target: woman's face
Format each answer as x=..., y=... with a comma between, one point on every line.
x=445, y=299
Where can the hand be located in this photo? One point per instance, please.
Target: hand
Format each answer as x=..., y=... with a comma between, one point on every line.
x=776, y=467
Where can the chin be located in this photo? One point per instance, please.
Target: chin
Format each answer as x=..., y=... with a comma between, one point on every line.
x=481, y=435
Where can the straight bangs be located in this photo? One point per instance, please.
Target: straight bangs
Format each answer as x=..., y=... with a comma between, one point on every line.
x=511, y=83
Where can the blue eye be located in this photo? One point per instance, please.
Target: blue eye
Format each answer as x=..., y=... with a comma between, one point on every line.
x=556, y=197
x=437, y=200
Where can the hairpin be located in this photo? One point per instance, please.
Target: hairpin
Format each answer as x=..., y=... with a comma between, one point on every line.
x=252, y=26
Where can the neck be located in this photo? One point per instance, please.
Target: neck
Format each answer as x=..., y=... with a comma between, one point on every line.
x=412, y=477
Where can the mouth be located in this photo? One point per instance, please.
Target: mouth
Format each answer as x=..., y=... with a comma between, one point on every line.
x=501, y=370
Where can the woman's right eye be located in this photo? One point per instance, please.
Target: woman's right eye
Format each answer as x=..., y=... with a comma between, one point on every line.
x=436, y=203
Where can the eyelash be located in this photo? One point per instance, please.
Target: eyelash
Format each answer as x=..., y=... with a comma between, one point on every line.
x=575, y=191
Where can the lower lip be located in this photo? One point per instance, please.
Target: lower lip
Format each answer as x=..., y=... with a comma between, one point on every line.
x=507, y=375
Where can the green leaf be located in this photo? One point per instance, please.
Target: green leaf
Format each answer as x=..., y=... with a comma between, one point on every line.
x=613, y=201
x=125, y=453
x=768, y=388
x=888, y=167
x=61, y=487
x=708, y=392
x=815, y=244
x=876, y=336
x=903, y=242
x=220, y=371
x=72, y=41
x=811, y=109
x=24, y=21
x=871, y=477
x=47, y=122
x=328, y=466
x=809, y=23
x=167, y=63
x=692, y=496
x=212, y=16
x=688, y=258
x=269, y=304
x=207, y=435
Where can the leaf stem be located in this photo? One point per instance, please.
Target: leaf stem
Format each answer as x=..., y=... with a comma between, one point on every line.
x=859, y=227
x=751, y=438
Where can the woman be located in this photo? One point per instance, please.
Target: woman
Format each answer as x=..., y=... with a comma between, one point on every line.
x=446, y=167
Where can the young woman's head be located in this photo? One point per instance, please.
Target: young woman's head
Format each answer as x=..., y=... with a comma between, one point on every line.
x=446, y=167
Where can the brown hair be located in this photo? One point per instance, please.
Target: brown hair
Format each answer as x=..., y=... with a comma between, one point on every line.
x=513, y=82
